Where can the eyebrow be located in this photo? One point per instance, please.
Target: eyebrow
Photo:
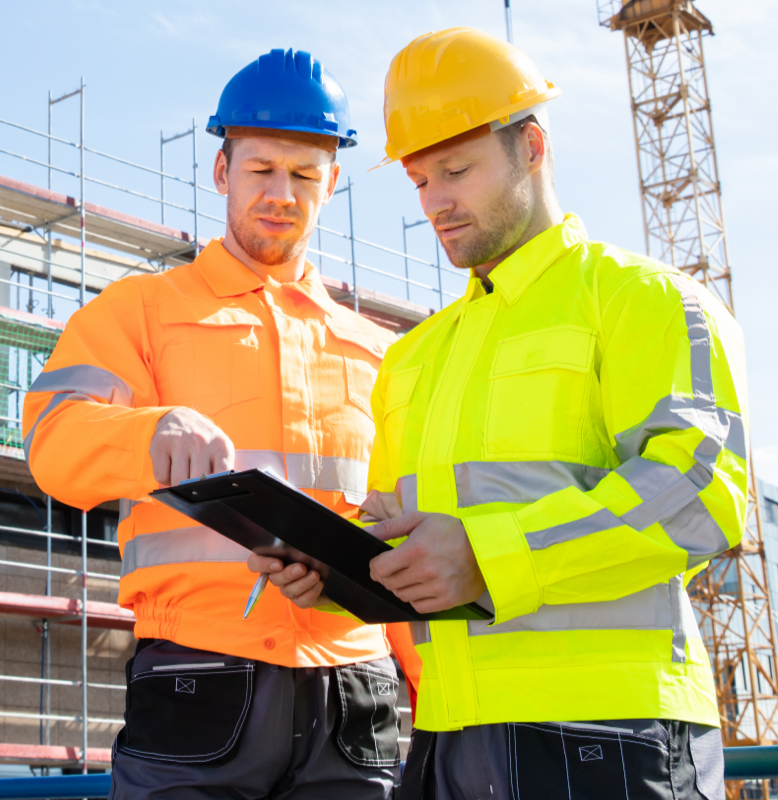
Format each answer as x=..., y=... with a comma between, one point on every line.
x=272, y=163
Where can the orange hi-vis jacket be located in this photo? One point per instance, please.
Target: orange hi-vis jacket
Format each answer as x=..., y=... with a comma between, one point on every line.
x=284, y=371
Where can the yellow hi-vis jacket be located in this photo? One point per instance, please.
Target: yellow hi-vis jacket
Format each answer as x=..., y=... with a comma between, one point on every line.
x=586, y=422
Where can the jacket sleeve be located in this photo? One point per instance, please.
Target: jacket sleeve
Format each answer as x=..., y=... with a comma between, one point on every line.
x=90, y=415
x=672, y=387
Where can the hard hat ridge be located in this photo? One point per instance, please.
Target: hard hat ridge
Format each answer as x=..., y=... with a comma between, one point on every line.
x=285, y=90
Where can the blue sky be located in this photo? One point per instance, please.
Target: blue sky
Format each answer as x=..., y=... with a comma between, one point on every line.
x=152, y=66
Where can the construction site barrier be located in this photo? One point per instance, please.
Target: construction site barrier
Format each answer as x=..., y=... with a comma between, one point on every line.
x=750, y=763
x=740, y=763
x=56, y=786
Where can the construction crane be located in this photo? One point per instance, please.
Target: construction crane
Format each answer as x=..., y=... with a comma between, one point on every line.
x=684, y=226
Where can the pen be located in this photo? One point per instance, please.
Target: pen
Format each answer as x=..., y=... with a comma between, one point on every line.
x=256, y=593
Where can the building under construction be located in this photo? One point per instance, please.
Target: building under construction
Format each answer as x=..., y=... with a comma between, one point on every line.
x=64, y=639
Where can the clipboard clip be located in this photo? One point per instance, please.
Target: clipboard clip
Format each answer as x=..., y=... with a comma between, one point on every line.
x=204, y=477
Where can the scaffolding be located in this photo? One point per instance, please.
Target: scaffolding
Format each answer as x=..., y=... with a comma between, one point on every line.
x=46, y=275
x=684, y=226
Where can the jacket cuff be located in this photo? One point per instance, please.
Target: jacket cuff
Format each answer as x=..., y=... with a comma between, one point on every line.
x=505, y=560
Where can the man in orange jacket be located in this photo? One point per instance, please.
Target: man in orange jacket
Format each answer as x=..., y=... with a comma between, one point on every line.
x=238, y=360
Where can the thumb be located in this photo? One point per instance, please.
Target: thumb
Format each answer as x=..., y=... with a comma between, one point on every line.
x=394, y=528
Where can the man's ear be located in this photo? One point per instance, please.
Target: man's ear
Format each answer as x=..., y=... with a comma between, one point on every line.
x=535, y=147
x=220, y=173
x=333, y=180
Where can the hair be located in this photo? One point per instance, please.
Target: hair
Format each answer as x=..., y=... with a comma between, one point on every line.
x=228, y=145
x=509, y=138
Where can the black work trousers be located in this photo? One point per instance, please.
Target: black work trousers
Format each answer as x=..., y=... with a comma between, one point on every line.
x=610, y=760
x=207, y=725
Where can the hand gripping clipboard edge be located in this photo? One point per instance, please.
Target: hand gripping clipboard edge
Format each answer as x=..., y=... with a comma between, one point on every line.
x=271, y=517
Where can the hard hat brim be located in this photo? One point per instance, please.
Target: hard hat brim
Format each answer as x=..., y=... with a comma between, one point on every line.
x=216, y=128
x=497, y=116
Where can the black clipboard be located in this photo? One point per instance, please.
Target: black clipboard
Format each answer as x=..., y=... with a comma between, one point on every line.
x=271, y=517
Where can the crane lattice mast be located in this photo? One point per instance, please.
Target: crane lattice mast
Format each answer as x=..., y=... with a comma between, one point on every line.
x=684, y=226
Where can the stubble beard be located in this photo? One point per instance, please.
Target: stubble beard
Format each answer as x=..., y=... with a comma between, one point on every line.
x=498, y=229
x=270, y=252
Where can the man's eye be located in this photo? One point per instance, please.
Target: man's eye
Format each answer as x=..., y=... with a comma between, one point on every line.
x=421, y=185
x=262, y=171
x=458, y=171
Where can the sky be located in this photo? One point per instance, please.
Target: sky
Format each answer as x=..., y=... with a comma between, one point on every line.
x=156, y=66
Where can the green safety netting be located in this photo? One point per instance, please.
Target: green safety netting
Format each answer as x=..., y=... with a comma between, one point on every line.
x=26, y=342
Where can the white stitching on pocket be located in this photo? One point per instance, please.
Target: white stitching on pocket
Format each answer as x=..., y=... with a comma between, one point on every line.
x=374, y=672
x=248, y=670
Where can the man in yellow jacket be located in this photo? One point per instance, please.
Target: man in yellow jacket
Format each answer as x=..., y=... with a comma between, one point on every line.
x=240, y=359
x=567, y=444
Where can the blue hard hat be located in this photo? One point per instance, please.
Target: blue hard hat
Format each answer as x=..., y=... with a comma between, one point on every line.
x=285, y=91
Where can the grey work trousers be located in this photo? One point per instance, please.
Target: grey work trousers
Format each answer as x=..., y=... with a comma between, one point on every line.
x=205, y=725
x=612, y=760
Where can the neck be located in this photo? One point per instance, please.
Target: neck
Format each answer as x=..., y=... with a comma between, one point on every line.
x=290, y=272
x=546, y=214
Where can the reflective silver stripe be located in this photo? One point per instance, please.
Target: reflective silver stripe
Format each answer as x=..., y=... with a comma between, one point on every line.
x=328, y=473
x=306, y=471
x=683, y=618
x=180, y=546
x=736, y=441
x=676, y=414
x=420, y=632
x=52, y=404
x=125, y=508
x=694, y=529
x=702, y=378
x=87, y=379
x=260, y=459
x=601, y=520
x=662, y=607
x=406, y=491
x=664, y=490
x=520, y=481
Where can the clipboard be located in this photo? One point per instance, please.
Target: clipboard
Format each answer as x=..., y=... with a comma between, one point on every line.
x=273, y=518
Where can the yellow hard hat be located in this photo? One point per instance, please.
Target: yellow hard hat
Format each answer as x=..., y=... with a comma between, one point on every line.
x=448, y=83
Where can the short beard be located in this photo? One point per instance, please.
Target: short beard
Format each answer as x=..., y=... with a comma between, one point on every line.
x=272, y=253
x=507, y=216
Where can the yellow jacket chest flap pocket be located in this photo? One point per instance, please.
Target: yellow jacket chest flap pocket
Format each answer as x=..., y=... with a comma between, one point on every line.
x=537, y=392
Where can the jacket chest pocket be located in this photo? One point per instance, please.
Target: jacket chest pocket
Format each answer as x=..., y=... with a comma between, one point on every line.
x=213, y=360
x=399, y=392
x=361, y=358
x=537, y=393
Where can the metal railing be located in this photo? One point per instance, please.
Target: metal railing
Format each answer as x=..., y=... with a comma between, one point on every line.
x=740, y=763
x=348, y=260
x=45, y=717
x=366, y=265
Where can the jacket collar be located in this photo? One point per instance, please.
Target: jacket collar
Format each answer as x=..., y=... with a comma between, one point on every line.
x=228, y=277
x=512, y=277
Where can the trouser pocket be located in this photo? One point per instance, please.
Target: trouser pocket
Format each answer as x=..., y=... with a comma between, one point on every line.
x=368, y=733
x=186, y=713
x=548, y=761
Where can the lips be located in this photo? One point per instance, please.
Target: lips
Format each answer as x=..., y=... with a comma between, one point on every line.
x=450, y=231
x=276, y=225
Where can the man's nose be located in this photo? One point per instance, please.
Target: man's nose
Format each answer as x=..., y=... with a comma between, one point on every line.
x=278, y=190
x=436, y=201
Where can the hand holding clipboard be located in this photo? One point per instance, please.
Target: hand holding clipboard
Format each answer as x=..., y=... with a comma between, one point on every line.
x=270, y=517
